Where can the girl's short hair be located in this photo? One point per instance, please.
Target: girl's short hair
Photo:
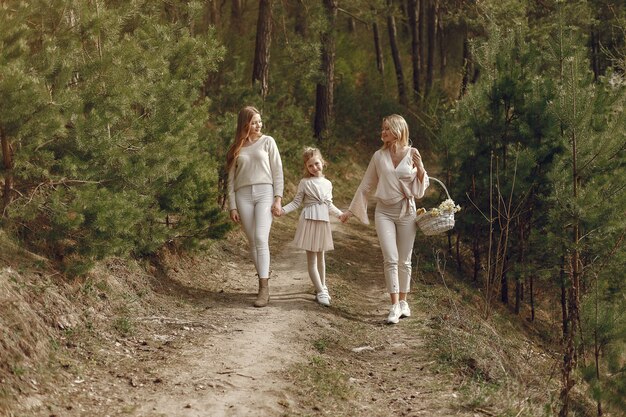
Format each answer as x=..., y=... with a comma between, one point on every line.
x=309, y=153
x=399, y=128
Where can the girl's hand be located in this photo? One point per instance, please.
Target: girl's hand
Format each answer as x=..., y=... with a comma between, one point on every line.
x=277, y=207
x=234, y=215
x=345, y=216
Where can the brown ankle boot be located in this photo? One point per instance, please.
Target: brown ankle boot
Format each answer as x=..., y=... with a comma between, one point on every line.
x=263, y=298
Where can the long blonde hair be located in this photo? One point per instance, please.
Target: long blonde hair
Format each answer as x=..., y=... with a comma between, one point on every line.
x=241, y=134
x=309, y=153
x=400, y=130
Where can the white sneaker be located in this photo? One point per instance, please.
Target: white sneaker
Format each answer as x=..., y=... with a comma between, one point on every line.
x=325, y=289
x=405, y=311
x=394, y=314
x=323, y=298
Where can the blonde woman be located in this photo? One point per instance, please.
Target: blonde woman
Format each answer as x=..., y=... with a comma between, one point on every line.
x=255, y=190
x=397, y=174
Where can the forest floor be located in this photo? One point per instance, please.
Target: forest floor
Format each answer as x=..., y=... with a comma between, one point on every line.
x=180, y=337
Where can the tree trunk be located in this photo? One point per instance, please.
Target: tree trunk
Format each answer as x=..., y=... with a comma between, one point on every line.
x=504, y=281
x=351, y=25
x=532, y=298
x=211, y=14
x=519, y=291
x=301, y=25
x=430, y=27
x=596, y=344
x=395, y=53
x=236, y=14
x=476, y=239
x=260, y=71
x=421, y=29
x=441, y=43
x=595, y=54
x=380, y=63
x=518, y=294
x=466, y=66
x=569, y=355
x=8, y=162
x=458, y=250
x=415, y=55
x=563, y=299
x=325, y=91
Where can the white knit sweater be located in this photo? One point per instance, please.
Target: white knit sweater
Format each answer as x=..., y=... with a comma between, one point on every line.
x=258, y=163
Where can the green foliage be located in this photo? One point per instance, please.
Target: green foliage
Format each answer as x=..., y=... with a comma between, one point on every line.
x=535, y=117
x=500, y=139
x=113, y=145
x=592, y=121
x=605, y=321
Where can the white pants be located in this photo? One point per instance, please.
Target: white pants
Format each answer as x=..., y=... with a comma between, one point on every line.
x=396, y=237
x=254, y=203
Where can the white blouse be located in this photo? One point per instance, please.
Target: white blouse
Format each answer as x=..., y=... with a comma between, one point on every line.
x=258, y=163
x=316, y=193
x=392, y=184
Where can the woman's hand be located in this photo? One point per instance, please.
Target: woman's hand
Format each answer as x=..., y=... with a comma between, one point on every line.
x=234, y=215
x=417, y=159
x=345, y=216
x=417, y=163
x=277, y=207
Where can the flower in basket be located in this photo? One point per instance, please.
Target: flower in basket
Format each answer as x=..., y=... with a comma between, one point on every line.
x=446, y=207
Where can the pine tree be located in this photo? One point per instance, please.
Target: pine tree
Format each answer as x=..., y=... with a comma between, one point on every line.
x=128, y=168
x=501, y=139
x=587, y=215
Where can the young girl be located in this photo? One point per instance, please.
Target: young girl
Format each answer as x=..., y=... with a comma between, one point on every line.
x=313, y=233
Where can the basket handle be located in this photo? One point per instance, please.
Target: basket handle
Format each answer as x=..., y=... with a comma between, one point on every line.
x=442, y=184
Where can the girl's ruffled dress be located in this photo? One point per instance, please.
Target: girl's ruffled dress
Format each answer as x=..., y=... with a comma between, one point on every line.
x=313, y=232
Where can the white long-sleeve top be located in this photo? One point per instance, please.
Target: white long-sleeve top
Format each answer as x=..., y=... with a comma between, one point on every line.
x=392, y=184
x=316, y=193
x=258, y=163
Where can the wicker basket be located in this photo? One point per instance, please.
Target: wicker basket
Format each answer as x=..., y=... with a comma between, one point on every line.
x=435, y=225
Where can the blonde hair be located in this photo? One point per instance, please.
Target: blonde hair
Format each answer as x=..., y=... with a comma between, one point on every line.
x=241, y=134
x=309, y=153
x=400, y=130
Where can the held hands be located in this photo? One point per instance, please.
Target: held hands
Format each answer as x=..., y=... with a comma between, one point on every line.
x=345, y=216
x=277, y=209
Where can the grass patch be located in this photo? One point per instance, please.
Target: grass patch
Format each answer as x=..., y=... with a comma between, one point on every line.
x=18, y=370
x=498, y=366
x=321, y=344
x=123, y=325
x=321, y=380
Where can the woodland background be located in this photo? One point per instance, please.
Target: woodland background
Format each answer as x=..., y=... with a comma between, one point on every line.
x=115, y=117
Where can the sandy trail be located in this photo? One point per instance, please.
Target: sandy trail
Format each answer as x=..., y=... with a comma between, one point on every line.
x=236, y=371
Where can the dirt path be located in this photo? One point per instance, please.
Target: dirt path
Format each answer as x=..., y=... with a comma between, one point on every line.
x=205, y=351
x=235, y=371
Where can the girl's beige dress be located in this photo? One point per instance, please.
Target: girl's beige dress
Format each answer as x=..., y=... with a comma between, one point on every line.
x=313, y=232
